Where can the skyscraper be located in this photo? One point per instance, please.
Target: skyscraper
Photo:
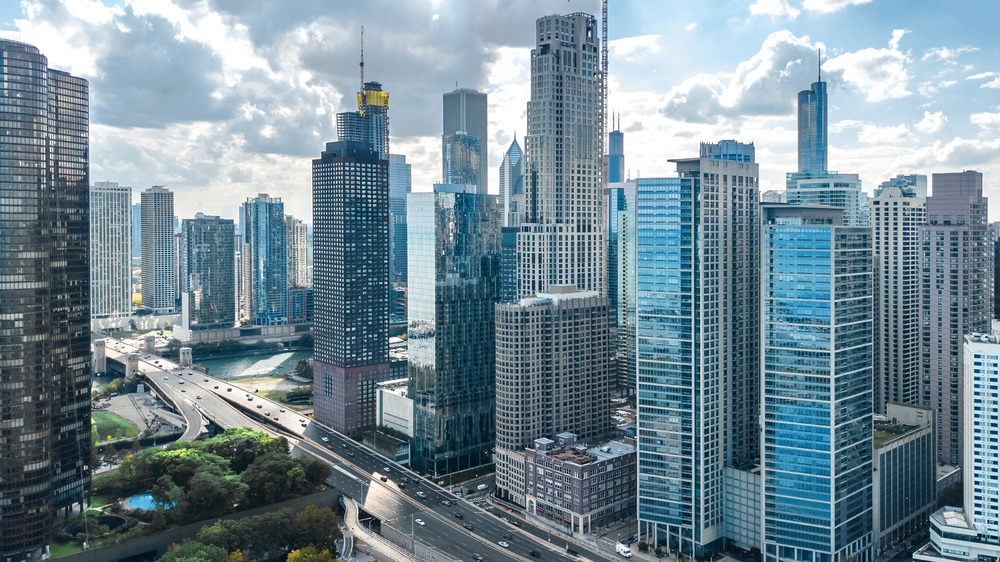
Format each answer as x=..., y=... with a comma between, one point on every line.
x=159, y=265
x=263, y=222
x=812, y=128
x=208, y=287
x=697, y=333
x=110, y=250
x=897, y=212
x=616, y=156
x=370, y=123
x=512, y=185
x=982, y=412
x=455, y=237
x=956, y=270
x=137, y=230
x=555, y=352
x=564, y=191
x=816, y=410
x=45, y=299
x=621, y=279
x=350, y=283
x=465, y=144
x=296, y=257
x=399, y=188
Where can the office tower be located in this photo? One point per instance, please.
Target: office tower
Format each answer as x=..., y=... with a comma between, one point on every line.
x=207, y=300
x=912, y=185
x=263, y=221
x=697, y=333
x=897, y=213
x=465, y=144
x=399, y=188
x=370, y=123
x=957, y=268
x=621, y=279
x=555, y=352
x=350, y=283
x=137, y=230
x=238, y=288
x=45, y=299
x=816, y=279
x=555, y=368
x=159, y=265
x=616, y=156
x=564, y=191
x=812, y=128
x=508, y=263
x=512, y=185
x=110, y=250
x=296, y=255
x=455, y=237
x=995, y=241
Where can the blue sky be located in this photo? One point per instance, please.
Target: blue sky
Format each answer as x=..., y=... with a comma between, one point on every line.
x=222, y=99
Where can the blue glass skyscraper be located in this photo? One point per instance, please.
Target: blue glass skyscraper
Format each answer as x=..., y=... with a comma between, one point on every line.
x=263, y=221
x=812, y=128
x=817, y=385
x=616, y=156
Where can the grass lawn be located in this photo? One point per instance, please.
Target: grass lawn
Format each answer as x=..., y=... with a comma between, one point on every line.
x=63, y=549
x=112, y=425
x=99, y=501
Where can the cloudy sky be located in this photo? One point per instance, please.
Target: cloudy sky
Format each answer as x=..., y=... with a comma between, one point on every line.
x=222, y=99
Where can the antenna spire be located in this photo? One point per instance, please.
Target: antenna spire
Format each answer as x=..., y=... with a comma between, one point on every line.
x=362, y=58
x=819, y=65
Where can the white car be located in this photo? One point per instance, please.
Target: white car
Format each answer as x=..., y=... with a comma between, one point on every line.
x=419, y=521
x=421, y=495
x=504, y=544
x=325, y=440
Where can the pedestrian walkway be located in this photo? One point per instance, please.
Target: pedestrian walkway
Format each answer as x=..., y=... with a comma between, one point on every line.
x=376, y=545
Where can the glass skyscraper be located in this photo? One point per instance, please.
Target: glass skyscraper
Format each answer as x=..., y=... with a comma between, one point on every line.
x=370, y=123
x=454, y=285
x=697, y=334
x=512, y=185
x=461, y=154
x=44, y=298
x=263, y=223
x=621, y=278
x=399, y=188
x=616, y=157
x=465, y=146
x=812, y=128
x=208, y=280
x=817, y=385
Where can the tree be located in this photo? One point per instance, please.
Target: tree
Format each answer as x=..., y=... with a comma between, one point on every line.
x=320, y=526
x=259, y=537
x=310, y=554
x=237, y=556
x=643, y=546
x=194, y=551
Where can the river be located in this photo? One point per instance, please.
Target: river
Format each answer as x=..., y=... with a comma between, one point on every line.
x=254, y=366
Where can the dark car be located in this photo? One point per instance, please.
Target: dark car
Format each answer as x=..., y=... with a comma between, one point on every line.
x=535, y=554
x=507, y=536
x=459, y=515
x=468, y=526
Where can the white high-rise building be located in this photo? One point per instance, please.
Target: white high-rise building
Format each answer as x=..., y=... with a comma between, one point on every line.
x=296, y=236
x=110, y=250
x=897, y=213
x=159, y=254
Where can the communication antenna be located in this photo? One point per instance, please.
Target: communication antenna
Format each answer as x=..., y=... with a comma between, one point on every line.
x=819, y=65
x=362, y=58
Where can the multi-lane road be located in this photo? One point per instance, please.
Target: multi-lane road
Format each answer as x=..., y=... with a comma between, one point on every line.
x=403, y=500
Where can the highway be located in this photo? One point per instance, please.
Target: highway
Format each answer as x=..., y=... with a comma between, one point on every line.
x=405, y=501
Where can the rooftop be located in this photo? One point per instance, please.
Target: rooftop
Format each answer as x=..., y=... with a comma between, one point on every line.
x=886, y=432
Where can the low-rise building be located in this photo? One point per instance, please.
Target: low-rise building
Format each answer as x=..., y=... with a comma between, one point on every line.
x=394, y=409
x=577, y=487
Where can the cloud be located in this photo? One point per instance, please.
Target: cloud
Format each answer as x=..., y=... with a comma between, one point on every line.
x=890, y=135
x=985, y=120
x=981, y=75
x=629, y=47
x=993, y=84
x=691, y=26
x=880, y=74
x=773, y=8
x=828, y=6
x=932, y=122
x=946, y=54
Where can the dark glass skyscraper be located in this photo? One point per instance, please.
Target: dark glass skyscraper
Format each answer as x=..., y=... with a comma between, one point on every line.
x=350, y=283
x=454, y=285
x=616, y=157
x=812, y=128
x=44, y=298
x=465, y=142
x=208, y=283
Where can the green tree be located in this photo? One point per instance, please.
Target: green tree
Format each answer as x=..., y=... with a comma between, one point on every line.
x=194, y=551
x=310, y=554
x=258, y=537
x=210, y=494
x=241, y=445
x=320, y=526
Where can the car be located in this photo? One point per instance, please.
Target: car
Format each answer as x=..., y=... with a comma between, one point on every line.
x=328, y=446
x=325, y=439
x=477, y=556
x=468, y=526
x=249, y=398
x=383, y=478
x=229, y=390
x=402, y=486
x=276, y=418
x=260, y=406
x=206, y=380
x=459, y=515
x=165, y=378
x=182, y=390
x=304, y=424
x=349, y=453
x=507, y=536
x=282, y=410
x=267, y=414
x=302, y=420
x=535, y=554
x=504, y=544
x=421, y=495
x=385, y=469
x=198, y=397
x=445, y=502
x=180, y=382
x=216, y=387
x=344, y=445
x=419, y=521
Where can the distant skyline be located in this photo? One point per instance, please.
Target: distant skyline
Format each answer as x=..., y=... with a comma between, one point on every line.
x=220, y=100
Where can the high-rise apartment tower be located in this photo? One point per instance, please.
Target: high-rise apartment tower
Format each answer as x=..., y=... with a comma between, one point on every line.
x=110, y=250
x=159, y=256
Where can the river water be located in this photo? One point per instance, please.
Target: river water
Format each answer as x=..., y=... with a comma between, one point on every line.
x=254, y=366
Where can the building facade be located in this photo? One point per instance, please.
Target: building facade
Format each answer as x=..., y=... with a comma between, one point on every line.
x=159, y=255
x=813, y=128
x=370, y=123
x=579, y=488
x=817, y=386
x=897, y=215
x=350, y=284
x=616, y=156
x=44, y=299
x=508, y=263
x=454, y=285
x=621, y=279
x=263, y=222
x=399, y=189
x=110, y=250
x=512, y=185
x=208, y=284
x=697, y=334
x=465, y=140
x=954, y=239
x=297, y=254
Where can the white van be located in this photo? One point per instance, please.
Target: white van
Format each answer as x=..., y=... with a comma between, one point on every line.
x=623, y=550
